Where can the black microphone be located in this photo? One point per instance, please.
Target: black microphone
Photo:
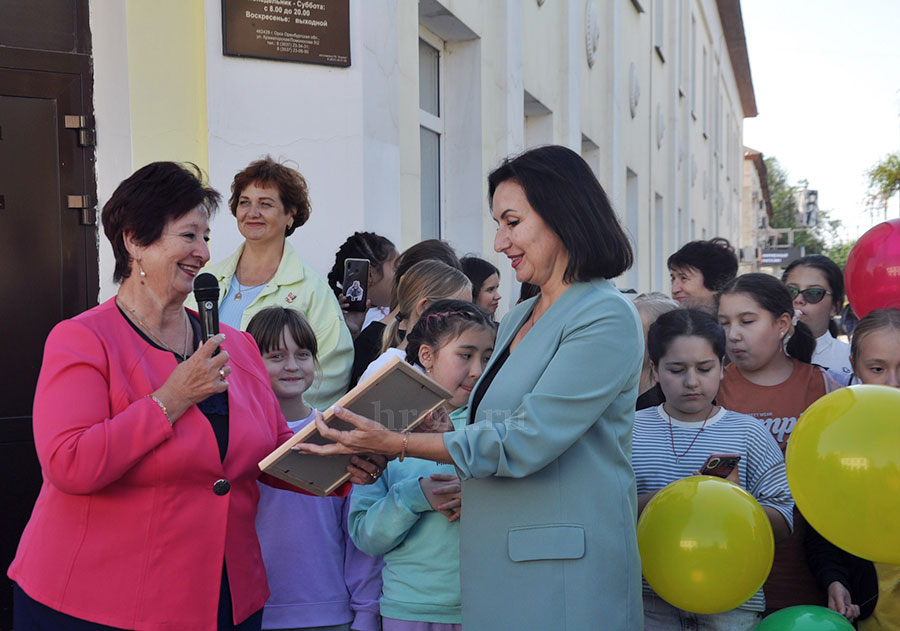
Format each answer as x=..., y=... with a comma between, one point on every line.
x=206, y=293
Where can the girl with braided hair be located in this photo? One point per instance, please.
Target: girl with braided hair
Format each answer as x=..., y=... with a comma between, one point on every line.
x=382, y=256
x=411, y=514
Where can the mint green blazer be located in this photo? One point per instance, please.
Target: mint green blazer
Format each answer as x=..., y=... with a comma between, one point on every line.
x=547, y=537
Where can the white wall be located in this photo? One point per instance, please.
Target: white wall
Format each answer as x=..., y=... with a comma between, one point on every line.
x=112, y=116
x=311, y=116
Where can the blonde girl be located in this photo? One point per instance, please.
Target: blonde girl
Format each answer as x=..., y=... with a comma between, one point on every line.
x=424, y=283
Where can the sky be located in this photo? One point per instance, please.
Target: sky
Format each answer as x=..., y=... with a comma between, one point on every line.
x=826, y=75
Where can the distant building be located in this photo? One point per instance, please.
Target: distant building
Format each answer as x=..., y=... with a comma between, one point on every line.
x=807, y=208
x=756, y=212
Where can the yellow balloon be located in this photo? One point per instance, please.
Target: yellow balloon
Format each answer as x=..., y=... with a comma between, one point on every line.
x=843, y=466
x=706, y=544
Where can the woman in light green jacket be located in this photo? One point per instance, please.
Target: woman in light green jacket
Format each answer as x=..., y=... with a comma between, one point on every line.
x=270, y=201
x=547, y=537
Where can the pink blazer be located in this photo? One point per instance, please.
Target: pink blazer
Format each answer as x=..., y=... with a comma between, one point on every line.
x=127, y=530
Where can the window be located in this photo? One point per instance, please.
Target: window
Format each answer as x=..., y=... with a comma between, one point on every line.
x=631, y=224
x=693, y=67
x=679, y=47
x=679, y=220
x=591, y=154
x=659, y=246
x=659, y=28
x=705, y=93
x=538, y=122
x=431, y=127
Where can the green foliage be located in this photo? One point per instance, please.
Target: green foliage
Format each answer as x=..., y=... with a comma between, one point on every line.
x=839, y=253
x=884, y=179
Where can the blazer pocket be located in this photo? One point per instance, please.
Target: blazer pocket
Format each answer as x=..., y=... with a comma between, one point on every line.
x=553, y=541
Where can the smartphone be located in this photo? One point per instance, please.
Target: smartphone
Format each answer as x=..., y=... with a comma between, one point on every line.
x=356, y=283
x=720, y=465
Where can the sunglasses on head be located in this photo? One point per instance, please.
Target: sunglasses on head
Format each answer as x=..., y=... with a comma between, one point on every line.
x=812, y=295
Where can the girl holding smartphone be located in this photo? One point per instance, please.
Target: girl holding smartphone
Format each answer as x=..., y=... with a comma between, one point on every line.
x=673, y=440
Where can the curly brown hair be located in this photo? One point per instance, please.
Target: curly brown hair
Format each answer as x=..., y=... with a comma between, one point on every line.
x=292, y=188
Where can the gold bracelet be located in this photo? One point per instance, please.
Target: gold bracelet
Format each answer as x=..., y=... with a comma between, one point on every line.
x=162, y=406
x=403, y=448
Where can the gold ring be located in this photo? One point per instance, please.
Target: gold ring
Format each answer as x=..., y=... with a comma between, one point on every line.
x=375, y=475
x=222, y=373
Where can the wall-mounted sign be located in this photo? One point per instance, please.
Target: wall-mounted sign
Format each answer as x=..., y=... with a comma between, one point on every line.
x=306, y=31
x=780, y=257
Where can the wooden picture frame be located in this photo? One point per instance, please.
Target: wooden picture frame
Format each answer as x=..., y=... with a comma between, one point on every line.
x=398, y=396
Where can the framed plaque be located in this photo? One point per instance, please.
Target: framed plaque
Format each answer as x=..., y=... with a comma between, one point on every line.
x=397, y=395
x=303, y=31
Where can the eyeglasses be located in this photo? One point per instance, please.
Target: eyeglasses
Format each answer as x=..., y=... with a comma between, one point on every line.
x=812, y=295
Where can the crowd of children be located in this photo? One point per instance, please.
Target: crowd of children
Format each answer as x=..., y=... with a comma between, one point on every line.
x=730, y=365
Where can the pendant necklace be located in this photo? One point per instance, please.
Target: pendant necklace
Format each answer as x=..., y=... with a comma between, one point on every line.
x=678, y=456
x=146, y=329
x=241, y=288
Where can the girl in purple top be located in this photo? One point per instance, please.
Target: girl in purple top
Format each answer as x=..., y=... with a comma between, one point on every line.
x=317, y=577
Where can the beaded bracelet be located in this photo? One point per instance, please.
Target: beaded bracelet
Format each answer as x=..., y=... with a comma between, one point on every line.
x=161, y=405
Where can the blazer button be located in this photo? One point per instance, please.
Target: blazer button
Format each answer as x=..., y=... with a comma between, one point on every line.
x=221, y=487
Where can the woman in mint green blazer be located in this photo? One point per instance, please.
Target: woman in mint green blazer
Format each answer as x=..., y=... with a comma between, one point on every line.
x=547, y=538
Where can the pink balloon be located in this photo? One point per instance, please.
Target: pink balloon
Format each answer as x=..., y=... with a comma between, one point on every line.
x=872, y=274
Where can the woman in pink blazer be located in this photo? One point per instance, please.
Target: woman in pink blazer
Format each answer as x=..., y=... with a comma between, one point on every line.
x=148, y=442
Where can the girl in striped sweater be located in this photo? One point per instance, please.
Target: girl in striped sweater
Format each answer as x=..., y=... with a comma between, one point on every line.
x=673, y=440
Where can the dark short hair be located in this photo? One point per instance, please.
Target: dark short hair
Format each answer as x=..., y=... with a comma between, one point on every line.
x=360, y=245
x=443, y=320
x=528, y=290
x=478, y=270
x=833, y=276
x=773, y=296
x=146, y=201
x=715, y=259
x=427, y=250
x=680, y=322
x=267, y=328
x=563, y=190
x=292, y=188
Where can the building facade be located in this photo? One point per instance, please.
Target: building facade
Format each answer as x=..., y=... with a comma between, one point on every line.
x=756, y=212
x=651, y=92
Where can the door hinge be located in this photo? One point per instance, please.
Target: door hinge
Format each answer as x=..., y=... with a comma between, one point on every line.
x=84, y=203
x=87, y=137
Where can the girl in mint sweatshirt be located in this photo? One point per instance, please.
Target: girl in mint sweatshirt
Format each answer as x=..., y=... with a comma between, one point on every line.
x=410, y=515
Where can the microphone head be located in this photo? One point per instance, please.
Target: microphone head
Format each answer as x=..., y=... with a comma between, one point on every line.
x=206, y=287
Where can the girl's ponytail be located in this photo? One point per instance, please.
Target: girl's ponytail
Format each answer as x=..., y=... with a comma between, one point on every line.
x=801, y=344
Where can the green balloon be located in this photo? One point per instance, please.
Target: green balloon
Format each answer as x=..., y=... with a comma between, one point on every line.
x=805, y=618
